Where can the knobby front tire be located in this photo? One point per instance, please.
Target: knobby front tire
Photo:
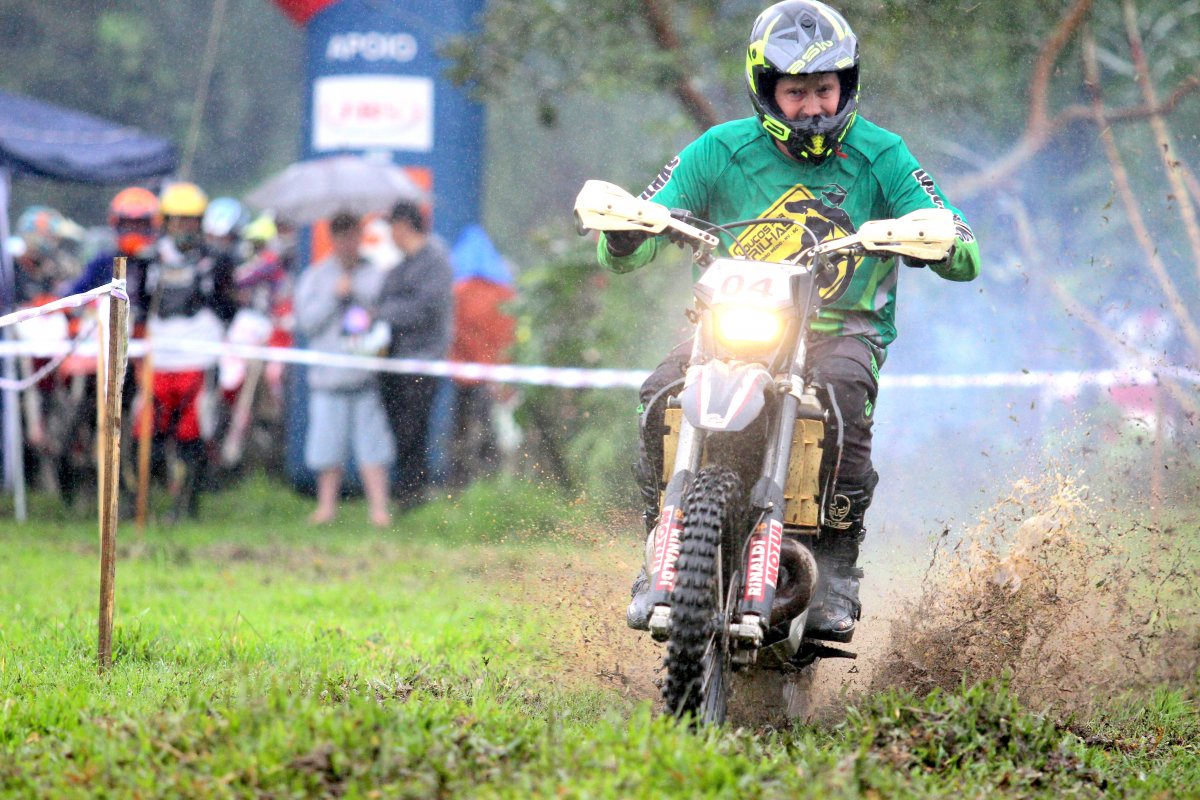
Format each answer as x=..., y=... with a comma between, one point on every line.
x=697, y=645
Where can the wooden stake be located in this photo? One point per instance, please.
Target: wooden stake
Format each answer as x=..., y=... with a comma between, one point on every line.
x=118, y=344
x=101, y=390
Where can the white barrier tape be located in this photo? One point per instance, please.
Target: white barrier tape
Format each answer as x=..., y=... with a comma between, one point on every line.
x=580, y=378
x=564, y=377
x=1064, y=381
x=115, y=287
x=9, y=385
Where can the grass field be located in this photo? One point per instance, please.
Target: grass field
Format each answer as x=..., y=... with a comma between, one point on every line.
x=475, y=651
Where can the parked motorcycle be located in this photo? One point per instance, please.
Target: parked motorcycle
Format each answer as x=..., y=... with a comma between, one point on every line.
x=743, y=493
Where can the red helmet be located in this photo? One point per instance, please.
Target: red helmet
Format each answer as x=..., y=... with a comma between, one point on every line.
x=134, y=215
x=134, y=203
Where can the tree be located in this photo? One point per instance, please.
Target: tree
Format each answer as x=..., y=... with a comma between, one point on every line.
x=139, y=62
x=999, y=109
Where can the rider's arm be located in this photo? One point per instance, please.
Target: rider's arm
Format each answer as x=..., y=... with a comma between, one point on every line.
x=638, y=258
x=97, y=272
x=907, y=187
x=682, y=183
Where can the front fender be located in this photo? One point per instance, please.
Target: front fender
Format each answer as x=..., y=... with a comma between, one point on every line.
x=725, y=397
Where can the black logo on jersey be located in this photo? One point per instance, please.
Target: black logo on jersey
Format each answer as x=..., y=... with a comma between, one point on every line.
x=816, y=220
x=833, y=195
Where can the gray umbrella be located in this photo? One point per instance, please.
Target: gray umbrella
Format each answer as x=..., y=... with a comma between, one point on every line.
x=319, y=188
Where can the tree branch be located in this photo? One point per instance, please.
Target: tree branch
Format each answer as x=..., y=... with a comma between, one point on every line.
x=1187, y=212
x=1039, y=83
x=662, y=29
x=1038, y=125
x=1091, y=72
x=1080, y=112
x=1037, y=273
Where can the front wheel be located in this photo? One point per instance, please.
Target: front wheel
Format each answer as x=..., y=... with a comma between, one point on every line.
x=698, y=647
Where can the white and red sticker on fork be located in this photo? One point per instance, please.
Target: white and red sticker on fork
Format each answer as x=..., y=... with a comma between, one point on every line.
x=763, y=567
x=666, y=547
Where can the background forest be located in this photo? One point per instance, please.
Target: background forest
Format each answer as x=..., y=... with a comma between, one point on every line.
x=1065, y=132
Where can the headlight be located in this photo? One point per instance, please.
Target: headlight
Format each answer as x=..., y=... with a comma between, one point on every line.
x=747, y=325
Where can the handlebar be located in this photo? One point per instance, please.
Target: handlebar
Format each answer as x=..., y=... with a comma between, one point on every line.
x=926, y=234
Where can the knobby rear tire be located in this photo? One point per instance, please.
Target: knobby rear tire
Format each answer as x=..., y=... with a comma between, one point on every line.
x=697, y=601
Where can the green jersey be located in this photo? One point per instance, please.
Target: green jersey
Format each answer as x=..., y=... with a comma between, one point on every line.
x=735, y=172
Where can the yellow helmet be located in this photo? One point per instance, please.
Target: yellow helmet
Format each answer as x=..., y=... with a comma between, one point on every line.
x=261, y=229
x=183, y=200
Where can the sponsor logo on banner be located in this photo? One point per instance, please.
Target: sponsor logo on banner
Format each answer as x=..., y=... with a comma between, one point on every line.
x=762, y=569
x=666, y=547
x=372, y=46
x=393, y=112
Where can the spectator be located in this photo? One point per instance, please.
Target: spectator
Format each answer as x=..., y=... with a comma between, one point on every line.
x=53, y=241
x=224, y=220
x=333, y=303
x=483, y=332
x=417, y=302
x=35, y=269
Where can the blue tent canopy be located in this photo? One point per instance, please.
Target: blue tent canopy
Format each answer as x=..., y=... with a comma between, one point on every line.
x=43, y=140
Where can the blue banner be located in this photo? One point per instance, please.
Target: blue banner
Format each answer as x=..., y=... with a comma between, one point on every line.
x=376, y=84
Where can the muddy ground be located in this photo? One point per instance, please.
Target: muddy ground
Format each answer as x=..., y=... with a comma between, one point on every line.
x=1062, y=593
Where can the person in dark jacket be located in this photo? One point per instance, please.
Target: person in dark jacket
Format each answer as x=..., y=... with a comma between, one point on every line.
x=417, y=301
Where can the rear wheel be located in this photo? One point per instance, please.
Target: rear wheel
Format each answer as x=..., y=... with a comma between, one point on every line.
x=698, y=647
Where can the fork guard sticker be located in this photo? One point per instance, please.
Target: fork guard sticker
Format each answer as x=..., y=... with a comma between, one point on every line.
x=762, y=568
x=666, y=547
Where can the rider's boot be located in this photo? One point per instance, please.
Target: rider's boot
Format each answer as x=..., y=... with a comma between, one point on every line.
x=637, y=616
x=186, y=505
x=159, y=466
x=836, y=610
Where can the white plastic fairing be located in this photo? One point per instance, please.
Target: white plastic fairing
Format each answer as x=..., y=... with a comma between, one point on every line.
x=603, y=206
x=926, y=234
x=725, y=397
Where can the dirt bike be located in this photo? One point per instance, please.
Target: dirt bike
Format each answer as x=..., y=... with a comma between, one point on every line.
x=730, y=561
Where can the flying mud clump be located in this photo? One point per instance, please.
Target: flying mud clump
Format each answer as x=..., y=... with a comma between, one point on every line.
x=1066, y=596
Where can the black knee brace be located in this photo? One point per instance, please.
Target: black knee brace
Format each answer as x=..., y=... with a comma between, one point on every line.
x=848, y=502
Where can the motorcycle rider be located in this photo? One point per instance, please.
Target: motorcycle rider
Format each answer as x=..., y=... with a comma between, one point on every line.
x=190, y=291
x=808, y=155
x=133, y=215
x=224, y=220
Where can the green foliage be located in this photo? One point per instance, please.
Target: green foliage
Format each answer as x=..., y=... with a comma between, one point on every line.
x=138, y=63
x=981, y=732
x=571, y=312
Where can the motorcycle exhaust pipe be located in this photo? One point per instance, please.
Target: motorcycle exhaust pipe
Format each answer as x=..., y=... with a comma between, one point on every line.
x=794, y=595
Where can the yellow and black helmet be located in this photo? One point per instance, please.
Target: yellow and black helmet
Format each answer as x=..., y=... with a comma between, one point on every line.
x=803, y=37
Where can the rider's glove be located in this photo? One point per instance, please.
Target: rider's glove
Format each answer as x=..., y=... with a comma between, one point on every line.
x=623, y=243
x=918, y=263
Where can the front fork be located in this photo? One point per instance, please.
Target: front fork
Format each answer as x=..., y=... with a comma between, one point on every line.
x=670, y=527
x=762, y=551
